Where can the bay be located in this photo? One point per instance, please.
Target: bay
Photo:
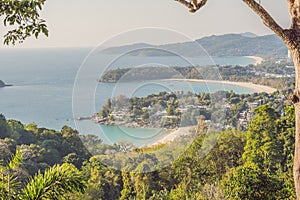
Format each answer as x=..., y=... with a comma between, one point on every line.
x=44, y=81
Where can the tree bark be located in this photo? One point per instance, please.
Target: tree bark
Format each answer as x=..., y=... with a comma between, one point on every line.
x=296, y=98
x=293, y=43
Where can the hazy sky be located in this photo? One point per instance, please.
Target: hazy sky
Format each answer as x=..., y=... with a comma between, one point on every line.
x=90, y=22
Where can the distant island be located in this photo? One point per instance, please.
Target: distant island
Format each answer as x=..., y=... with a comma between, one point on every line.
x=2, y=84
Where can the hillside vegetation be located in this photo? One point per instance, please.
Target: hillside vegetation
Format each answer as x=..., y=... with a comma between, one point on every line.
x=251, y=163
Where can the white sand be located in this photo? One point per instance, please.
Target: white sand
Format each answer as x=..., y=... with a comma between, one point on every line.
x=181, y=131
x=256, y=58
x=251, y=86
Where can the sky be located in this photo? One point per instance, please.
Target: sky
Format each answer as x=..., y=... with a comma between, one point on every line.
x=89, y=23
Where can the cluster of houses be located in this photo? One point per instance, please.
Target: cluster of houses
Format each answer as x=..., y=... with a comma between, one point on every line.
x=124, y=117
x=246, y=116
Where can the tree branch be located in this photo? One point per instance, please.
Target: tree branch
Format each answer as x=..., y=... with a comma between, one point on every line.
x=193, y=5
x=295, y=14
x=266, y=18
x=289, y=36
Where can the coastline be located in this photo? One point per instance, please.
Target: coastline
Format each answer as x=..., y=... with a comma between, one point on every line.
x=181, y=131
x=107, y=122
x=258, y=60
x=251, y=86
x=174, y=134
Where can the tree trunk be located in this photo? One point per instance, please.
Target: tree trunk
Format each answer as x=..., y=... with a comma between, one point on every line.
x=295, y=99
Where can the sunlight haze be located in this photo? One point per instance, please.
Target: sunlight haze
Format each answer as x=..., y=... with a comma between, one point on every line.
x=79, y=23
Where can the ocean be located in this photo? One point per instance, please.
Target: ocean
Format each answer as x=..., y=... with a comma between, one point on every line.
x=51, y=87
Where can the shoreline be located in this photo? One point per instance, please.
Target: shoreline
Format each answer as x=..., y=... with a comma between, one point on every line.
x=258, y=60
x=174, y=134
x=251, y=86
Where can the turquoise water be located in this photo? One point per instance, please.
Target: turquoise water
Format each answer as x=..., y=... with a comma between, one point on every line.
x=44, y=79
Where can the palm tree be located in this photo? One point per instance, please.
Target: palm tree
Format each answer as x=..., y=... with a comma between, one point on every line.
x=55, y=183
x=9, y=185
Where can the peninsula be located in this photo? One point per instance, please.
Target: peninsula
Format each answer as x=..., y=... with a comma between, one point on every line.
x=173, y=110
x=265, y=77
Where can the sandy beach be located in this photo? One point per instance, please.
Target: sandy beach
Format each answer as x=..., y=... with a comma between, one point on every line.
x=181, y=131
x=258, y=60
x=251, y=86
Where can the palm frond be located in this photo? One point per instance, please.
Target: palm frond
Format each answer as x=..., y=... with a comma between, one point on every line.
x=55, y=183
x=15, y=161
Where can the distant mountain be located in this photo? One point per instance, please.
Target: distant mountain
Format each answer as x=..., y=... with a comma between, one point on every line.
x=249, y=34
x=238, y=45
x=245, y=44
x=127, y=48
